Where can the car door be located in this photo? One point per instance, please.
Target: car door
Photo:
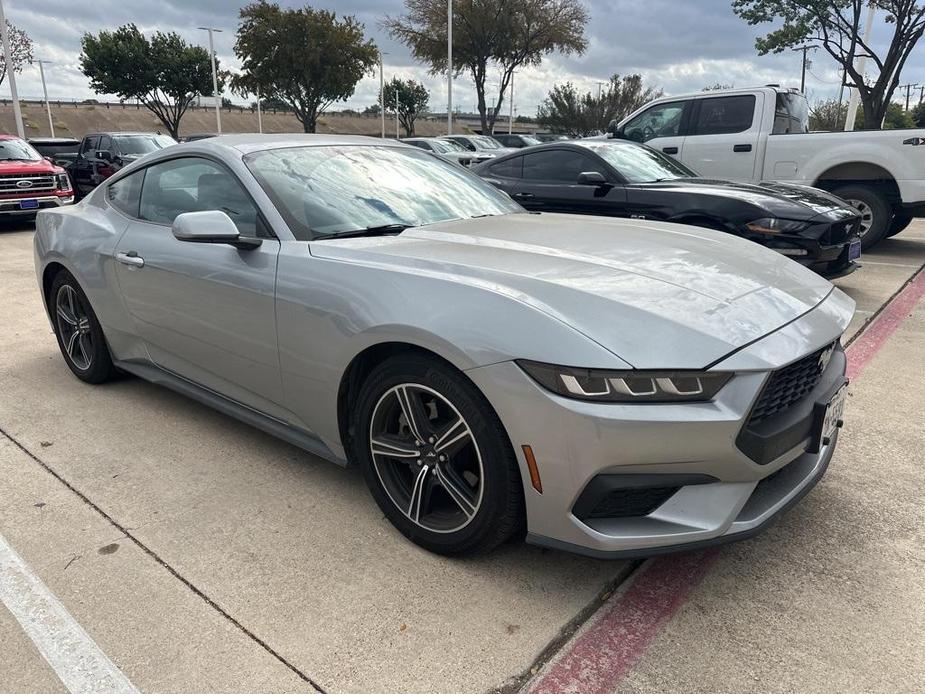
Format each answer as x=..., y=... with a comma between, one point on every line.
x=549, y=183
x=206, y=312
x=722, y=140
x=661, y=126
x=83, y=167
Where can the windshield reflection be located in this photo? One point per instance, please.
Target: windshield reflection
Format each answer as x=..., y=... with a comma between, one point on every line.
x=325, y=190
x=638, y=163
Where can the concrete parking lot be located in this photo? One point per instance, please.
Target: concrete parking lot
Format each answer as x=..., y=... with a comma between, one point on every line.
x=197, y=554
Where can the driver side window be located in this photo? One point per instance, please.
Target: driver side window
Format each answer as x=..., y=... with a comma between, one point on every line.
x=663, y=120
x=194, y=185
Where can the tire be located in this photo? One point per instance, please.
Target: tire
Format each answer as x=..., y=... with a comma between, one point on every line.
x=876, y=213
x=78, y=331
x=900, y=221
x=446, y=477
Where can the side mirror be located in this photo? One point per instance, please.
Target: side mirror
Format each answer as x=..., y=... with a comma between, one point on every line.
x=591, y=178
x=104, y=155
x=212, y=226
x=615, y=131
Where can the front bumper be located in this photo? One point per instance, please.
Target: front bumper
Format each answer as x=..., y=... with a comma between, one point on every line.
x=716, y=492
x=822, y=247
x=11, y=206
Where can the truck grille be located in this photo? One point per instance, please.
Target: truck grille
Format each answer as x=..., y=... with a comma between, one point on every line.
x=789, y=385
x=15, y=183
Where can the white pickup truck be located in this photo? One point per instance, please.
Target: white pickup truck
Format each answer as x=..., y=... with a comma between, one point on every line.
x=763, y=134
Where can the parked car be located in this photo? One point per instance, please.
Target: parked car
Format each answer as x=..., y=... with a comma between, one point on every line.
x=102, y=154
x=442, y=148
x=515, y=140
x=483, y=145
x=28, y=181
x=61, y=150
x=763, y=134
x=618, y=178
x=551, y=137
x=611, y=386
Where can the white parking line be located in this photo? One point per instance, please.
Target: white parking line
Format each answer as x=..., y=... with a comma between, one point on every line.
x=76, y=659
x=889, y=264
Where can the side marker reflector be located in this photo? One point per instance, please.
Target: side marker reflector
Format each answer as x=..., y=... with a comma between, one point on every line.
x=534, y=470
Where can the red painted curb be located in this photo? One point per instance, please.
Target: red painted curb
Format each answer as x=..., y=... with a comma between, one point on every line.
x=621, y=631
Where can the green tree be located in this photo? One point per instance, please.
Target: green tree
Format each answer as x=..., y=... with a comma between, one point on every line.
x=918, y=115
x=827, y=115
x=489, y=35
x=566, y=110
x=896, y=118
x=412, y=101
x=306, y=58
x=165, y=74
x=717, y=86
x=20, y=50
x=835, y=26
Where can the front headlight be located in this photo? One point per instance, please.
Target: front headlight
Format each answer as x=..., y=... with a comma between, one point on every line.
x=64, y=183
x=772, y=225
x=598, y=385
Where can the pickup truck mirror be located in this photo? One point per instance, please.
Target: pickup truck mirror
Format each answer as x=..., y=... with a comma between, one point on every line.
x=591, y=178
x=104, y=155
x=211, y=226
x=613, y=128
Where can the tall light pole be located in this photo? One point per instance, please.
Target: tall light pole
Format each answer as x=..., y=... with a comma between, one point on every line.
x=218, y=101
x=449, y=67
x=259, y=115
x=51, y=125
x=510, y=113
x=11, y=73
x=382, y=94
x=397, y=134
x=862, y=66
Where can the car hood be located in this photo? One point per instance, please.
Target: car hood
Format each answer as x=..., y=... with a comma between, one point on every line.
x=657, y=295
x=783, y=200
x=43, y=166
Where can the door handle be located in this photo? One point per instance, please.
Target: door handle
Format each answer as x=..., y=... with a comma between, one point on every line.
x=523, y=196
x=670, y=150
x=741, y=148
x=132, y=259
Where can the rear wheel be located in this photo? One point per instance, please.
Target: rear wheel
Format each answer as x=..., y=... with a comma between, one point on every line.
x=875, y=212
x=436, y=458
x=79, y=334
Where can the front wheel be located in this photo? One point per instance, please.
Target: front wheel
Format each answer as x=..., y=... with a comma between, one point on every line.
x=875, y=212
x=436, y=457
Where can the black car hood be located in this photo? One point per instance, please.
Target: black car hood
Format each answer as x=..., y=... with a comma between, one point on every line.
x=781, y=200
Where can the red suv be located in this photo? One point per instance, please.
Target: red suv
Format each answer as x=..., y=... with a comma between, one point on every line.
x=28, y=181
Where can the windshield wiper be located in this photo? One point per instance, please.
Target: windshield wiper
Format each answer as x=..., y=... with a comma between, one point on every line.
x=375, y=230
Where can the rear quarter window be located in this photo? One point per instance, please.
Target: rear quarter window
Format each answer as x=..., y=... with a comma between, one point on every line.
x=125, y=193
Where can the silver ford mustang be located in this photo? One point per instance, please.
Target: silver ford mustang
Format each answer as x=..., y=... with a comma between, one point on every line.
x=611, y=387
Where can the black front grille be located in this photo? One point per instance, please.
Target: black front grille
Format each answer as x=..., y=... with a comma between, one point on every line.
x=788, y=386
x=840, y=232
x=627, y=503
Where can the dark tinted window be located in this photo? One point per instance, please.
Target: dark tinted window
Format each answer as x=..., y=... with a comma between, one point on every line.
x=510, y=168
x=194, y=185
x=663, y=120
x=125, y=193
x=90, y=144
x=558, y=165
x=725, y=115
x=141, y=144
x=791, y=115
x=420, y=144
x=105, y=143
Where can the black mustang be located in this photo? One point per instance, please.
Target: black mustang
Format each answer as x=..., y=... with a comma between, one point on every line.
x=619, y=178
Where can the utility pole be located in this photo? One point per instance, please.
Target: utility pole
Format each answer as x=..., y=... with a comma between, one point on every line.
x=922, y=93
x=862, y=69
x=449, y=67
x=382, y=94
x=805, y=49
x=51, y=125
x=600, y=90
x=218, y=100
x=510, y=115
x=908, y=88
x=11, y=73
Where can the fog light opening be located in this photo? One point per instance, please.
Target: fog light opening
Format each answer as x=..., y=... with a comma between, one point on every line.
x=534, y=470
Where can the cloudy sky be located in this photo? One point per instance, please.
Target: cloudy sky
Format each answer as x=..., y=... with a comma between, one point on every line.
x=678, y=45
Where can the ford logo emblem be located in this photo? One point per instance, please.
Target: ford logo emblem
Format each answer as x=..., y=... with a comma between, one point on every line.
x=23, y=184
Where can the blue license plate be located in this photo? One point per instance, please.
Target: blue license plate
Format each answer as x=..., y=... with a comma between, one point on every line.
x=854, y=250
x=28, y=204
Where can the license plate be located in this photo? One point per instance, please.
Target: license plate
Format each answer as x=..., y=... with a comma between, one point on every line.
x=854, y=250
x=834, y=412
x=28, y=204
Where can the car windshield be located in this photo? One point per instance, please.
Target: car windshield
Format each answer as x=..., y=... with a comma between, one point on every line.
x=529, y=140
x=485, y=142
x=18, y=150
x=441, y=146
x=331, y=190
x=453, y=146
x=57, y=147
x=142, y=144
x=640, y=164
